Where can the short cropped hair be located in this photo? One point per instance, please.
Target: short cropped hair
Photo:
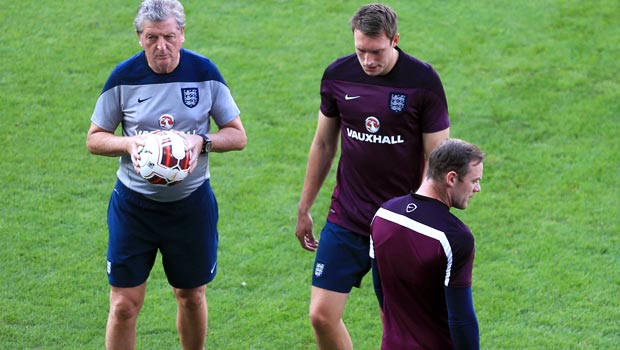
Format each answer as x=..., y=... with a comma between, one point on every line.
x=453, y=155
x=375, y=20
x=158, y=11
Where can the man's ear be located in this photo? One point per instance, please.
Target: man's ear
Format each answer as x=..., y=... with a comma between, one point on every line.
x=451, y=178
x=396, y=39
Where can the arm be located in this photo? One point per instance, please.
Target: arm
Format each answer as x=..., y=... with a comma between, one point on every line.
x=229, y=137
x=105, y=143
x=321, y=156
x=462, y=318
x=376, y=282
x=431, y=141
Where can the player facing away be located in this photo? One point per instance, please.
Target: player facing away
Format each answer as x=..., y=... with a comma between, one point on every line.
x=423, y=256
x=386, y=110
x=163, y=87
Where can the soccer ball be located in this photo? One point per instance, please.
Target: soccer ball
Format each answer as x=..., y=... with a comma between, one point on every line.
x=164, y=158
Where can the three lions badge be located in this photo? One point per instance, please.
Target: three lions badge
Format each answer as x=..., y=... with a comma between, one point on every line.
x=190, y=97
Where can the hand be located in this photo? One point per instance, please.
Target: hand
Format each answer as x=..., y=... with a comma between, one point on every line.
x=133, y=145
x=194, y=144
x=304, y=234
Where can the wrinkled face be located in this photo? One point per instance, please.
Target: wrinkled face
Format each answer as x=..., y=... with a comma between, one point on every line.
x=376, y=54
x=162, y=43
x=465, y=188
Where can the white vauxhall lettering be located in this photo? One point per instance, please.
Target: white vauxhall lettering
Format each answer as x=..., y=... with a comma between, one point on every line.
x=383, y=139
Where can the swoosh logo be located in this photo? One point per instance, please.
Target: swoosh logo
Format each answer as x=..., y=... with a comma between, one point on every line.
x=140, y=100
x=348, y=98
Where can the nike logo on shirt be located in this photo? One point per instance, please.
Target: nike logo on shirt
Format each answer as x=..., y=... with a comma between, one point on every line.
x=140, y=100
x=347, y=97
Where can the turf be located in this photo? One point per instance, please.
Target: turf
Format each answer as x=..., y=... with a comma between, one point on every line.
x=532, y=83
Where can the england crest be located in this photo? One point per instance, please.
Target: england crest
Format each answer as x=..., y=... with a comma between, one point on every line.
x=318, y=269
x=397, y=102
x=190, y=97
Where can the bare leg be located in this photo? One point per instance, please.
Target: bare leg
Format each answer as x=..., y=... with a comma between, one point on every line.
x=125, y=305
x=326, y=308
x=192, y=317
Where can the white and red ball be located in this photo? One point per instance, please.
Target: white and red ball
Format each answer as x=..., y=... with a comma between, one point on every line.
x=164, y=158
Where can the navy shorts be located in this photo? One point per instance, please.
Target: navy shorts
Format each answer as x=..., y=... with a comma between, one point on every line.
x=341, y=260
x=184, y=231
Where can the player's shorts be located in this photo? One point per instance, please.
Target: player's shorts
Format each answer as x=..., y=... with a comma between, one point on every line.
x=184, y=231
x=341, y=260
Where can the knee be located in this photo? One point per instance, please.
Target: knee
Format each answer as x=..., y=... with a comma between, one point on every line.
x=191, y=298
x=124, y=308
x=320, y=318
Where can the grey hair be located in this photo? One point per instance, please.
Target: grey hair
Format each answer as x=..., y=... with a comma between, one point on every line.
x=158, y=11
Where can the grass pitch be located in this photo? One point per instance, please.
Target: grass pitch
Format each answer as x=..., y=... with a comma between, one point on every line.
x=533, y=83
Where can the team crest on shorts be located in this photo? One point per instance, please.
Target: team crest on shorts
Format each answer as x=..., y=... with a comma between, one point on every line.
x=318, y=269
x=190, y=97
x=397, y=102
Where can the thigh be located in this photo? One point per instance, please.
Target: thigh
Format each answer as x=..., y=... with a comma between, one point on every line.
x=327, y=303
x=131, y=248
x=189, y=246
x=342, y=259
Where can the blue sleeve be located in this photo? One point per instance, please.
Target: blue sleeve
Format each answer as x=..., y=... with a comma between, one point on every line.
x=376, y=281
x=462, y=318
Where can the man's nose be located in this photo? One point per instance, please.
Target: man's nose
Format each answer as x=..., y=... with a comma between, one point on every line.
x=161, y=44
x=367, y=59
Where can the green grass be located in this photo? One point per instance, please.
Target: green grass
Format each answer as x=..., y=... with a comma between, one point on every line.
x=534, y=83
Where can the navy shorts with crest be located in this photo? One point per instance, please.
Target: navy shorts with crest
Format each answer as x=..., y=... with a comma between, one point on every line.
x=184, y=231
x=342, y=259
